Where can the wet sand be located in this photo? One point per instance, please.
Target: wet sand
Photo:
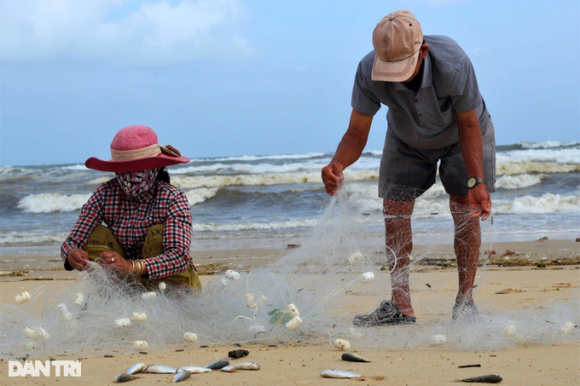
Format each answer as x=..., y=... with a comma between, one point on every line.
x=301, y=363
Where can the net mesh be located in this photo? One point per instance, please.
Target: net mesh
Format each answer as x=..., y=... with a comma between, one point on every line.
x=348, y=266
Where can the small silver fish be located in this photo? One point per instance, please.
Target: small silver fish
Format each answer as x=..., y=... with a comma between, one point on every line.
x=136, y=368
x=248, y=366
x=489, y=378
x=181, y=376
x=194, y=369
x=218, y=365
x=229, y=369
x=350, y=357
x=340, y=374
x=124, y=378
x=159, y=369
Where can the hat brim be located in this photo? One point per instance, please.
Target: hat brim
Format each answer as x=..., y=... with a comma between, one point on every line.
x=394, y=71
x=159, y=161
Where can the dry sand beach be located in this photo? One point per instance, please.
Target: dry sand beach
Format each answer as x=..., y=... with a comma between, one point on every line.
x=513, y=287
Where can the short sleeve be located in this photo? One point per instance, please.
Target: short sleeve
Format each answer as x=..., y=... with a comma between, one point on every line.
x=363, y=99
x=467, y=96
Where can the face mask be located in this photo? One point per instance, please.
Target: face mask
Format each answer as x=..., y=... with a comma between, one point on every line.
x=137, y=184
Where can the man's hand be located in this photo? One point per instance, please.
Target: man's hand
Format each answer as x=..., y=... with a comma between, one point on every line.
x=349, y=150
x=332, y=177
x=113, y=261
x=479, y=202
x=78, y=259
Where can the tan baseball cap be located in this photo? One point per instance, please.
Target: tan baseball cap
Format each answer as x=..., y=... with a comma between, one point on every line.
x=397, y=40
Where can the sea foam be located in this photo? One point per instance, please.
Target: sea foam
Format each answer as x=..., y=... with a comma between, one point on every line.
x=52, y=202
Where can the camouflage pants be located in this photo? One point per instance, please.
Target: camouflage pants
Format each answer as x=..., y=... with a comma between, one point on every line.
x=101, y=239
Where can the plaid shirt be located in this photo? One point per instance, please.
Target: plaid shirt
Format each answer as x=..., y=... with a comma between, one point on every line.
x=129, y=222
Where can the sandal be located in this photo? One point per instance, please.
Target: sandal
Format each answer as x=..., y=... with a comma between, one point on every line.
x=464, y=311
x=387, y=314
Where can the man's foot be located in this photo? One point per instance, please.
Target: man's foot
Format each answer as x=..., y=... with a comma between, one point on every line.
x=386, y=315
x=464, y=311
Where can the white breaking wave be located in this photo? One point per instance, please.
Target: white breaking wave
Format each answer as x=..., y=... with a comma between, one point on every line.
x=519, y=181
x=197, y=196
x=545, y=144
x=511, y=168
x=75, y=167
x=15, y=238
x=559, y=156
x=210, y=227
x=262, y=168
x=52, y=202
x=548, y=203
x=366, y=198
x=260, y=157
x=265, y=179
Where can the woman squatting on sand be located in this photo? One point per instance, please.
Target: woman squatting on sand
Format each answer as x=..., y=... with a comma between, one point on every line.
x=147, y=221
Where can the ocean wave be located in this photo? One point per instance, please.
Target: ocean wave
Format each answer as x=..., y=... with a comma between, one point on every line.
x=558, y=156
x=32, y=239
x=211, y=227
x=262, y=168
x=547, y=203
x=511, y=168
x=265, y=179
x=197, y=196
x=260, y=157
x=545, y=144
x=52, y=202
x=100, y=180
x=519, y=181
x=366, y=194
x=75, y=167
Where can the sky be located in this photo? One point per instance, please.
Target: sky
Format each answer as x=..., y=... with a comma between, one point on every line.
x=257, y=77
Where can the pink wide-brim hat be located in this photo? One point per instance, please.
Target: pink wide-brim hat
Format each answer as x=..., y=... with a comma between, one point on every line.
x=136, y=148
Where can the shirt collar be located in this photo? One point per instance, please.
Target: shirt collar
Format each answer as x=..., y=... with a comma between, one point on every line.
x=427, y=80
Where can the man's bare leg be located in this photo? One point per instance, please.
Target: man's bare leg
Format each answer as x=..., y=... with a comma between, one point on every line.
x=467, y=243
x=399, y=242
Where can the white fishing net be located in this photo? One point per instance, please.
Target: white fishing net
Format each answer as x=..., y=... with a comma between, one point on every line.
x=310, y=295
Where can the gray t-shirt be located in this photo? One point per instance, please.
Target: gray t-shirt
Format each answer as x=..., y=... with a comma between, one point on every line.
x=425, y=119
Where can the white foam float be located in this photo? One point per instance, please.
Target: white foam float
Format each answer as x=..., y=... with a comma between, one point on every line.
x=79, y=298
x=250, y=301
x=122, y=323
x=140, y=344
x=438, y=340
x=567, y=328
x=232, y=275
x=293, y=310
x=355, y=258
x=293, y=323
x=23, y=297
x=368, y=277
x=509, y=330
x=139, y=317
x=189, y=337
x=342, y=344
x=148, y=295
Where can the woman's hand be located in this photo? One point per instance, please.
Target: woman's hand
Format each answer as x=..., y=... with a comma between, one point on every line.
x=112, y=260
x=78, y=259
